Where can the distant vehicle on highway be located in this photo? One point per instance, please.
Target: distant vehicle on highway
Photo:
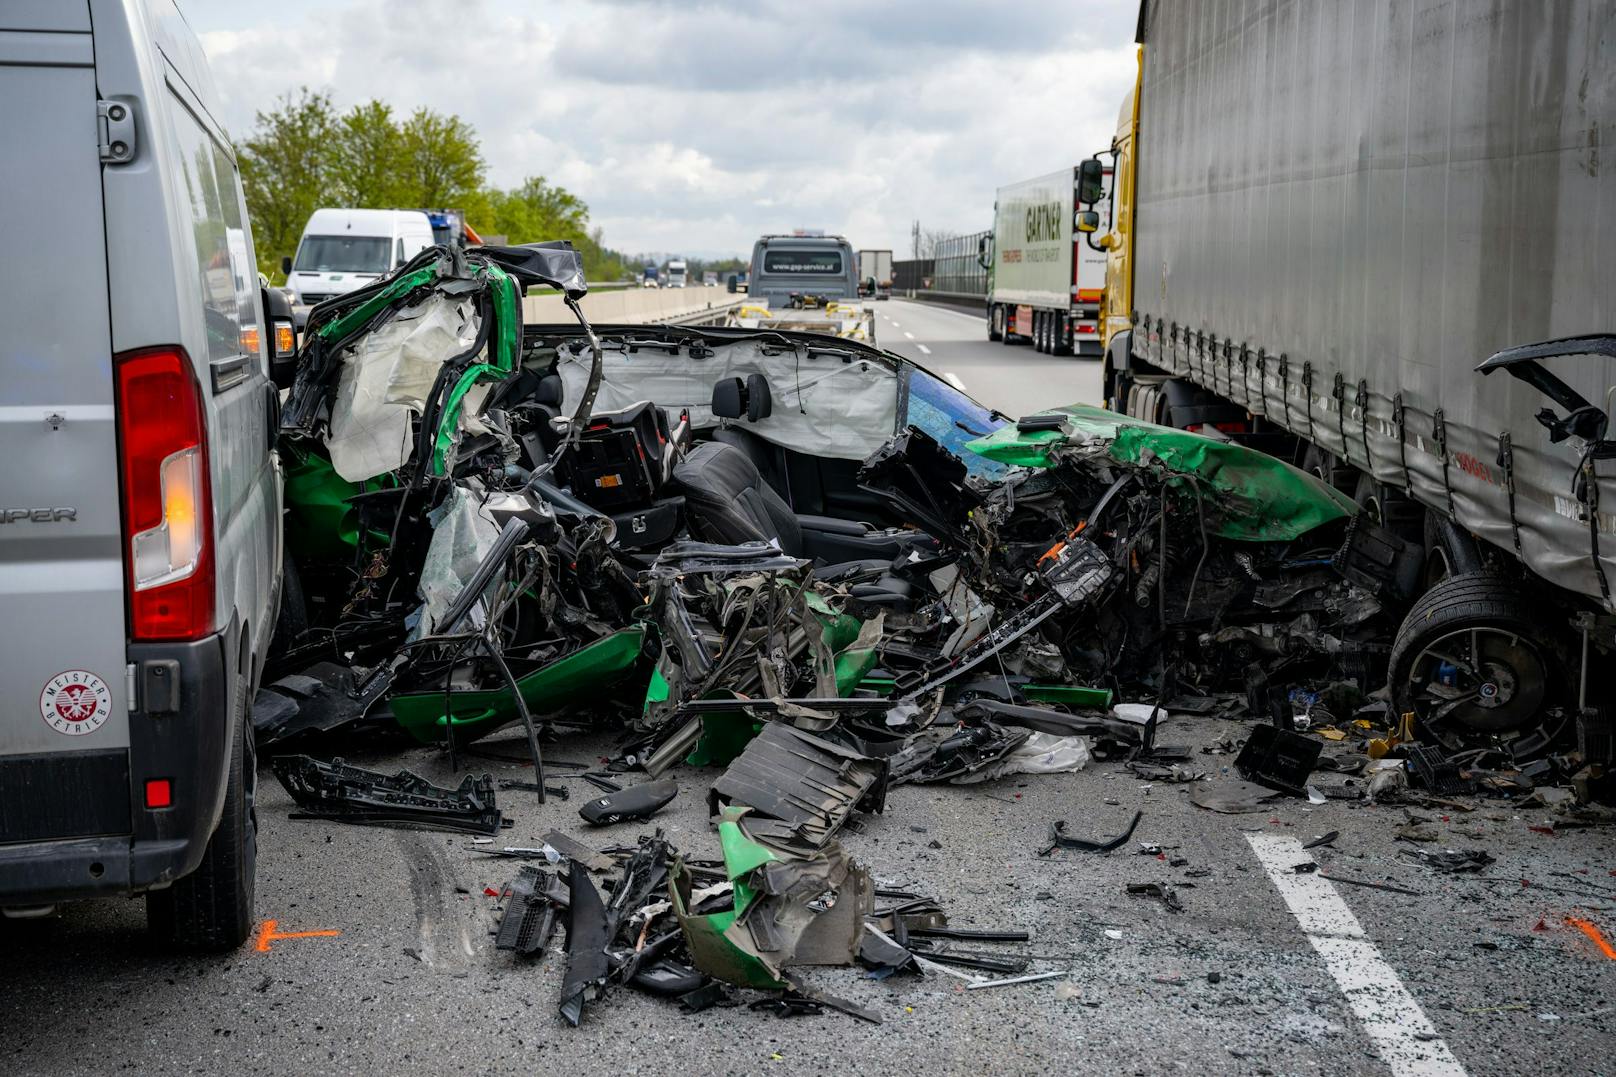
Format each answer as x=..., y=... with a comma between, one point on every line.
x=677, y=273
x=875, y=274
x=709, y=279
x=648, y=279
x=1044, y=281
x=141, y=573
x=344, y=249
x=803, y=271
x=449, y=228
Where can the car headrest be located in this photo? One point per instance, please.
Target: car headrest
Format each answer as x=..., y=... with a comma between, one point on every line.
x=729, y=398
x=549, y=390
x=759, y=401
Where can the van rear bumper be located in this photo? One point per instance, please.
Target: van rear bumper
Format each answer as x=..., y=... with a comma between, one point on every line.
x=189, y=746
x=40, y=873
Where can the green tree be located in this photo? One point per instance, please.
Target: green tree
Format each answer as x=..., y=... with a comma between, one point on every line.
x=439, y=163
x=285, y=170
x=365, y=157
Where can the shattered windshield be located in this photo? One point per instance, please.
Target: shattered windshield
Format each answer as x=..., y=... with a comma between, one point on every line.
x=952, y=418
x=343, y=254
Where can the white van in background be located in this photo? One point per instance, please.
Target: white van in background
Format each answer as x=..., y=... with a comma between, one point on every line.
x=343, y=249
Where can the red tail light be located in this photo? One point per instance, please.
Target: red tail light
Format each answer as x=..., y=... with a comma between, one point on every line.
x=167, y=518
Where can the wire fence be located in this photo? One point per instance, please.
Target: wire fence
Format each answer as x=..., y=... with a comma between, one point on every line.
x=955, y=268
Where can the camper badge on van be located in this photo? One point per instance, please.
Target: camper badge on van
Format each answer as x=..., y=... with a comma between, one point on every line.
x=75, y=702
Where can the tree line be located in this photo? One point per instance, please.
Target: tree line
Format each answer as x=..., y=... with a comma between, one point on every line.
x=306, y=153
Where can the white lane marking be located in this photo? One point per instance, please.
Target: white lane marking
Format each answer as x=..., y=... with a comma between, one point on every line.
x=953, y=379
x=895, y=325
x=923, y=349
x=1403, y=1036
x=910, y=335
x=943, y=308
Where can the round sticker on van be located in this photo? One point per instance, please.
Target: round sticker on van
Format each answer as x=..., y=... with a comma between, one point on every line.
x=75, y=702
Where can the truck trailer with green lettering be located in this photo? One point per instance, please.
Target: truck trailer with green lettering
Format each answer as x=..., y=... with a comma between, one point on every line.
x=1044, y=280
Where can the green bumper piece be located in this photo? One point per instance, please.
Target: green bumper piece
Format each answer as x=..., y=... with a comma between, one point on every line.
x=583, y=675
x=717, y=946
x=1072, y=695
x=1253, y=496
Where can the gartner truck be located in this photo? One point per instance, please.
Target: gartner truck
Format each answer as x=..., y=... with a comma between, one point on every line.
x=1044, y=278
x=1400, y=282
x=875, y=274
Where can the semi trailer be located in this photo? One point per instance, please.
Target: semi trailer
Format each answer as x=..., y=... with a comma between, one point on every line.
x=1377, y=238
x=1044, y=278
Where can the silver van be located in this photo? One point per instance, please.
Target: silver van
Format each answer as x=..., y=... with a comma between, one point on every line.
x=803, y=271
x=140, y=516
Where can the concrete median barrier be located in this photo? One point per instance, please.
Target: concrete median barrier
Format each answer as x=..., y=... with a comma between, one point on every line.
x=636, y=305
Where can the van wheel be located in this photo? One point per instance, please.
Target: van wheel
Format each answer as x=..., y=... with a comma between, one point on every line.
x=996, y=323
x=1472, y=661
x=212, y=908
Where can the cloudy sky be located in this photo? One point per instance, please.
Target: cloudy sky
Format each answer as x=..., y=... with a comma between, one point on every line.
x=694, y=127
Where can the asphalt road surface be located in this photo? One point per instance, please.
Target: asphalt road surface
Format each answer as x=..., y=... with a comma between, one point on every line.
x=1011, y=377
x=1263, y=971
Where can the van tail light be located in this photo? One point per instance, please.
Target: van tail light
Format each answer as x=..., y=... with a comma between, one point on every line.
x=167, y=519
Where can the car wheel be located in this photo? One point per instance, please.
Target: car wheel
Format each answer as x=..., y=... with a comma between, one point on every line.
x=212, y=908
x=1473, y=662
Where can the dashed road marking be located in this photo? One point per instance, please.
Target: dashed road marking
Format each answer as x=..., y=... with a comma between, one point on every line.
x=895, y=325
x=911, y=336
x=953, y=379
x=1403, y=1036
x=923, y=349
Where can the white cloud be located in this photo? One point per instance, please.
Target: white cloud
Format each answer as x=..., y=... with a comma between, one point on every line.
x=694, y=127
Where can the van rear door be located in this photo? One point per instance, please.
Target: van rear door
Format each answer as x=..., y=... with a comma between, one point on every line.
x=64, y=722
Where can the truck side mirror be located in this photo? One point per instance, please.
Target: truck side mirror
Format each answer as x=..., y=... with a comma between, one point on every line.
x=1090, y=182
x=984, y=247
x=286, y=265
x=1087, y=221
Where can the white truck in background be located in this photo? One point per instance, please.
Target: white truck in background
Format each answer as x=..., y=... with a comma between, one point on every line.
x=875, y=274
x=678, y=273
x=1044, y=280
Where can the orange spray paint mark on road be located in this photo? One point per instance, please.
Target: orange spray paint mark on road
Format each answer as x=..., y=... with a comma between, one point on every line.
x=267, y=934
x=1594, y=936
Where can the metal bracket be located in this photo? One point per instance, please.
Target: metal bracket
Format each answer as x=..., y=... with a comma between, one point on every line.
x=1307, y=393
x=1285, y=389
x=1361, y=399
x=115, y=132
x=1439, y=433
x=1400, y=418
x=1339, y=391
x=1506, y=464
x=1262, y=377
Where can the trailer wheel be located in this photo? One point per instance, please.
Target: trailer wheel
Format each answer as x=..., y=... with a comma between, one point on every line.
x=1473, y=662
x=995, y=322
x=1449, y=550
